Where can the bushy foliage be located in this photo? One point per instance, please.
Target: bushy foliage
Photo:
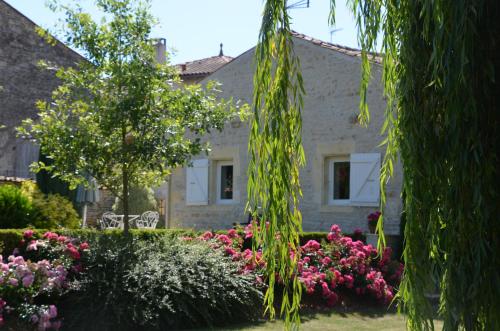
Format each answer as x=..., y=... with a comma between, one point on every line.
x=15, y=208
x=141, y=199
x=31, y=279
x=50, y=211
x=27, y=206
x=158, y=285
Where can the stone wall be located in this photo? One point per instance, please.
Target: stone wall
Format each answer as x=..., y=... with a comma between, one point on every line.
x=23, y=83
x=331, y=80
x=95, y=210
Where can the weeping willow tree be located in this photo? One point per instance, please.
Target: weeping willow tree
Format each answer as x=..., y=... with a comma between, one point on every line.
x=441, y=63
x=276, y=155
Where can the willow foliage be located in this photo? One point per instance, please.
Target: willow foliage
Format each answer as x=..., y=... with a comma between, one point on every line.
x=276, y=155
x=441, y=63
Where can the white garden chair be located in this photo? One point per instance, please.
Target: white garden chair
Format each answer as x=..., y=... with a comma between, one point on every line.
x=148, y=220
x=110, y=220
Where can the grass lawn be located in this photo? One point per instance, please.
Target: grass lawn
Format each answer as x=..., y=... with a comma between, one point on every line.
x=369, y=319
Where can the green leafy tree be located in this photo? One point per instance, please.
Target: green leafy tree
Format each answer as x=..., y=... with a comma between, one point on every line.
x=441, y=71
x=120, y=116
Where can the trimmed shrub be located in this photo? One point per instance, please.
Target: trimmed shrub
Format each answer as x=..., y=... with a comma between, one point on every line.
x=16, y=210
x=11, y=238
x=159, y=285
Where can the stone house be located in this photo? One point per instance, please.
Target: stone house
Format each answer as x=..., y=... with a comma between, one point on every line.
x=340, y=181
x=22, y=83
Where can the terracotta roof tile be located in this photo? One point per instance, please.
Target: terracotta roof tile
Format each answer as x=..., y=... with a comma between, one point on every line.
x=203, y=66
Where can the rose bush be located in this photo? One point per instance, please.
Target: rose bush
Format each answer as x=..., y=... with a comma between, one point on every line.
x=327, y=270
x=35, y=275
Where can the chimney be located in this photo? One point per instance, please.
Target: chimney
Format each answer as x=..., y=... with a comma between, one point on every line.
x=161, y=50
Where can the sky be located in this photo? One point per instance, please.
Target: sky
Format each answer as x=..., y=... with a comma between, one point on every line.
x=195, y=28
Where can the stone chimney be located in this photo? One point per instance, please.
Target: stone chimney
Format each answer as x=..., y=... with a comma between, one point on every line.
x=161, y=50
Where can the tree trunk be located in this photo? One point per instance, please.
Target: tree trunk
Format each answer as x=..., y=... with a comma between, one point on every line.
x=125, y=201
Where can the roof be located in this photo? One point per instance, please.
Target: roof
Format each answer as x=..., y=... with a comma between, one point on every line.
x=202, y=67
x=376, y=57
x=13, y=179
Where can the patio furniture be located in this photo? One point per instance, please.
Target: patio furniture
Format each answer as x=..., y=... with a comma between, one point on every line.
x=110, y=220
x=148, y=220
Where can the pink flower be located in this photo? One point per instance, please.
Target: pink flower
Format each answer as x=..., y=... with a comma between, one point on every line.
x=326, y=260
x=232, y=233
x=207, y=235
x=230, y=251
x=335, y=228
x=28, y=234
x=50, y=236
x=13, y=281
x=224, y=239
x=84, y=246
x=248, y=231
x=331, y=236
x=311, y=246
x=349, y=281
x=62, y=239
x=28, y=280
x=52, y=311
x=326, y=290
x=73, y=252
x=32, y=246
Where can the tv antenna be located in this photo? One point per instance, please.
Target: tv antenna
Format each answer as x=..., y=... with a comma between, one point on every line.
x=299, y=4
x=332, y=31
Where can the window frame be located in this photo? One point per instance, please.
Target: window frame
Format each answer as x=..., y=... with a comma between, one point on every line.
x=331, y=181
x=218, y=199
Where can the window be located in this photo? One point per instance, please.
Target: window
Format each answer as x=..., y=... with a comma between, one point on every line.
x=339, y=181
x=354, y=180
x=224, y=182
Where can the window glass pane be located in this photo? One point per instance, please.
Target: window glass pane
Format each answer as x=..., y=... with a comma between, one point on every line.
x=341, y=173
x=226, y=182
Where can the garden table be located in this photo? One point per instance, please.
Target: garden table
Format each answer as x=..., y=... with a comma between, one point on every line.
x=112, y=221
x=131, y=219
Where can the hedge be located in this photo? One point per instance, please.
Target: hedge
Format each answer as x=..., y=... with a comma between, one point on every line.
x=10, y=238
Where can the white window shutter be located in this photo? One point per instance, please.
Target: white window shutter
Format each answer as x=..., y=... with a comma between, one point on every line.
x=197, y=183
x=365, y=179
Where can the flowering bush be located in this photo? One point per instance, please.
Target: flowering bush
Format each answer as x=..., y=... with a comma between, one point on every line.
x=232, y=245
x=328, y=270
x=342, y=265
x=36, y=272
